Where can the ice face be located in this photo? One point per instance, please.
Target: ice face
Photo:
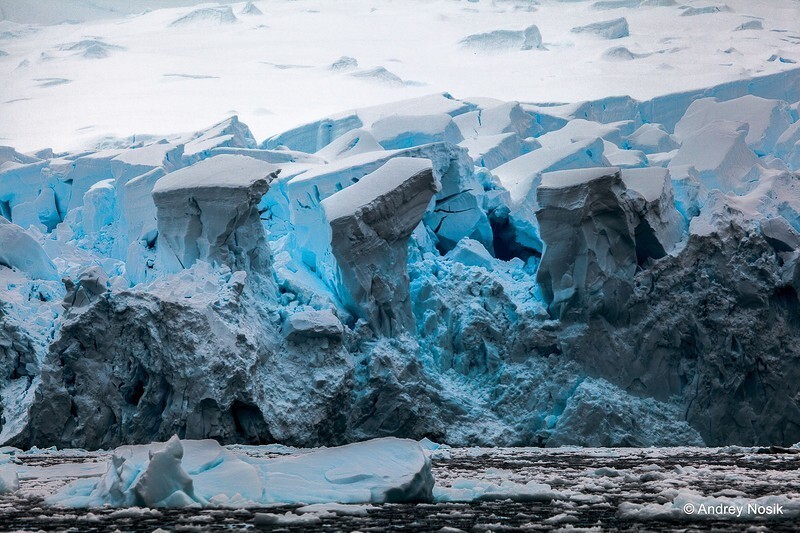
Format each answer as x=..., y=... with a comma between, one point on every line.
x=455, y=268
x=370, y=223
x=208, y=212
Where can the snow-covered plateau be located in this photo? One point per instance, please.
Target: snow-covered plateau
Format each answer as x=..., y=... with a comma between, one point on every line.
x=484, y=223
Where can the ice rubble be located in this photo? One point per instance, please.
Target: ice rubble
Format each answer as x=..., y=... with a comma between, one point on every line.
x=179, y=473
x=474, y=271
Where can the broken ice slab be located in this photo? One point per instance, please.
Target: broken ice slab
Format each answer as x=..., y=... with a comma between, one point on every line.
x=598, y=224
x=209, y=212
x=365, y=248
x=18, y=249
x=181, y=473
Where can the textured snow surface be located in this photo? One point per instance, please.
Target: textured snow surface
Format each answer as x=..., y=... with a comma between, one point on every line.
x=501, y=269
x=159, y=66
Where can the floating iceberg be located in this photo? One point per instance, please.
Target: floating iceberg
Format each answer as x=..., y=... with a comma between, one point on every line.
x=181, y=473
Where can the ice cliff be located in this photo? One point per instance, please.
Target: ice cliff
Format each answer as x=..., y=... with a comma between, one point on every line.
x=614, y=272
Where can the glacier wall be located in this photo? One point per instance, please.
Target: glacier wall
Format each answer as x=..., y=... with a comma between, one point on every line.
x=610, y=273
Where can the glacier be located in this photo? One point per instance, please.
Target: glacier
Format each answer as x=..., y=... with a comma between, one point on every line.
x=616, y=272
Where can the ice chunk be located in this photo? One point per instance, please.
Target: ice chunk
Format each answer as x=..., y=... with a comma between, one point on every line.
x=693, y=11
x=314, y=136
x=231, y=133
x=312, y=325
x=387, y=470
x=501, y=118
x=721, y=156
x=590, y=255
x=78, y=175
x=626, y=420
x=206, y=17
x=766, y=119
x=607, y=29
x=616, y=4
x=471, y=253
x=659, y=227
x=99, y=206
x=521, y=177
x=788, y=146
x=780, y=234
x=578, y=129
x=622, y=53
x=344, y=63
x=250, y=9
x=503, y=40
x=405, y=131
x=380, y=75
x=172, y=474
x=690, y=193
x=164, y=482
x=7, y=153
x=370, y=223
x=209, y=212
x=457, y=214
x=491, y=151
x=92, y=282
x=283, y=155
x=623, y=158
x=354, y=142
x=650, y=139
x=750, y=25
x=90, y=48
x=9, y=479
x=21, y=251
x=469, y=490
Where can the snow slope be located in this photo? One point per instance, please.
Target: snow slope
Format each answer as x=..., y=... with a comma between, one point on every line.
x=169, y=77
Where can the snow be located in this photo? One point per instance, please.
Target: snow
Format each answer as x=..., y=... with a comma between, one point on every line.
x=400, y=131
x=719, y=152
x=766, y=119
x=316, y=33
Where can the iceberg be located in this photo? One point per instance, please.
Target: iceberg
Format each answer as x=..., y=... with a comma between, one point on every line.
x=180, y=473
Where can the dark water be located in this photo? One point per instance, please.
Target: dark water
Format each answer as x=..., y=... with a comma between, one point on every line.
x=590, y=501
